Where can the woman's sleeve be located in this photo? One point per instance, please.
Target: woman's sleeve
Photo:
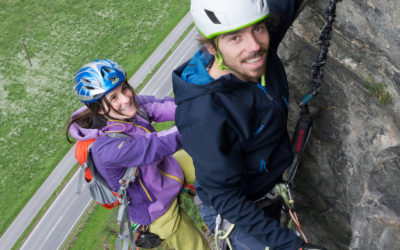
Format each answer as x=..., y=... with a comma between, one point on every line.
x=142, y=150
x=285, y=10
x=158, y=110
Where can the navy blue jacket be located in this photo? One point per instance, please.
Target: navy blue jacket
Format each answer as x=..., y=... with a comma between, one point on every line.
x=236, y=133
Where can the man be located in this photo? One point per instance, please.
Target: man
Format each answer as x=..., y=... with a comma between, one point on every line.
x=232, y=113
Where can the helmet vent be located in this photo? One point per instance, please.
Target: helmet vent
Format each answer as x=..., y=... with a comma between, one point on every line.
x=85, y=80
x=263, y=4
x=97, y=96
x=212, y=16
x=105, y=71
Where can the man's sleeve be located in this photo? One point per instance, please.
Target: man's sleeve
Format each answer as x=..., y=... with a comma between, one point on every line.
x=285, y=11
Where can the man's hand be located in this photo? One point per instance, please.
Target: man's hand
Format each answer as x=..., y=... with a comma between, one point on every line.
x=308, y=246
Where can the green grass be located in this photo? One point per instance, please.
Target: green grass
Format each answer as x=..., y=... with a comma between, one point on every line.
x=99, y=227
x=37, y=100
x=378, y=90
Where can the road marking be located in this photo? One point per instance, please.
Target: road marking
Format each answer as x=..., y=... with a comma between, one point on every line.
x=51, y=230
x=76, y=175
x=75, y=222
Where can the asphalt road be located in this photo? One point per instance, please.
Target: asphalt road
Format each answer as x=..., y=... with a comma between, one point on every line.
x=59, y=220
x=160, y=52
x=161, y=82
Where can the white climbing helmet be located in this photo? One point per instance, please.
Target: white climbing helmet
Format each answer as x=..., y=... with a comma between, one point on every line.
x=214, y=17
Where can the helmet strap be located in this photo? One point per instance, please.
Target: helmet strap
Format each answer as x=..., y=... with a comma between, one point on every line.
x=218, y=57
x=263, y=80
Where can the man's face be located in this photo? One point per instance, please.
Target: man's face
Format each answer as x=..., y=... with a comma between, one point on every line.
x=245, y=51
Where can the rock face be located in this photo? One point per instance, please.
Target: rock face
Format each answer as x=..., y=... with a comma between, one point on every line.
x=348, y=185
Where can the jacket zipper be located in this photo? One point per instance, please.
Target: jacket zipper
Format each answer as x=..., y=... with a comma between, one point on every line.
x=172, y=177
x=144, y=189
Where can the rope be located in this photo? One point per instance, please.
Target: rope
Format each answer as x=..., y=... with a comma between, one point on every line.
x=296, y=221
x=284, y=192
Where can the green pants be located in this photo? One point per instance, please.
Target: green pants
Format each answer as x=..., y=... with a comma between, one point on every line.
x=174, y=226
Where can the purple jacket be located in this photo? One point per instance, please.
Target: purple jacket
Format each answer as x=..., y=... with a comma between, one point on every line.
x=160, y=177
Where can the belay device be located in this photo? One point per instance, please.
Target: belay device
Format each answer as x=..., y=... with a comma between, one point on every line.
x=304, y=124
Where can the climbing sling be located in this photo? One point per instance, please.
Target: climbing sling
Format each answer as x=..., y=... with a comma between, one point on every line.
x=304, y=124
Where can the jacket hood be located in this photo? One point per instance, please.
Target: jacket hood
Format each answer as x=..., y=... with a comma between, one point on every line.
x=191, y=79
x=80, y=133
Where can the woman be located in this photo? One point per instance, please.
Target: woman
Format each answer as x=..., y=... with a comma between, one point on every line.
x=112, y=106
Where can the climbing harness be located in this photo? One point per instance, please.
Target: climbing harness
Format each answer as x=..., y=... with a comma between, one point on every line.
x=223, y=228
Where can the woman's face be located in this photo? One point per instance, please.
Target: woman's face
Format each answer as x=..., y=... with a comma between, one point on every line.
x=121, y=102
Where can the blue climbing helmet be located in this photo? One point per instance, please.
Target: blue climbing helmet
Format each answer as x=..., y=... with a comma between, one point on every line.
x=96, y=79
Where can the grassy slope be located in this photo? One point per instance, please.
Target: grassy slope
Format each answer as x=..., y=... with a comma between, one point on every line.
x=99, y=229
x=36, y=101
